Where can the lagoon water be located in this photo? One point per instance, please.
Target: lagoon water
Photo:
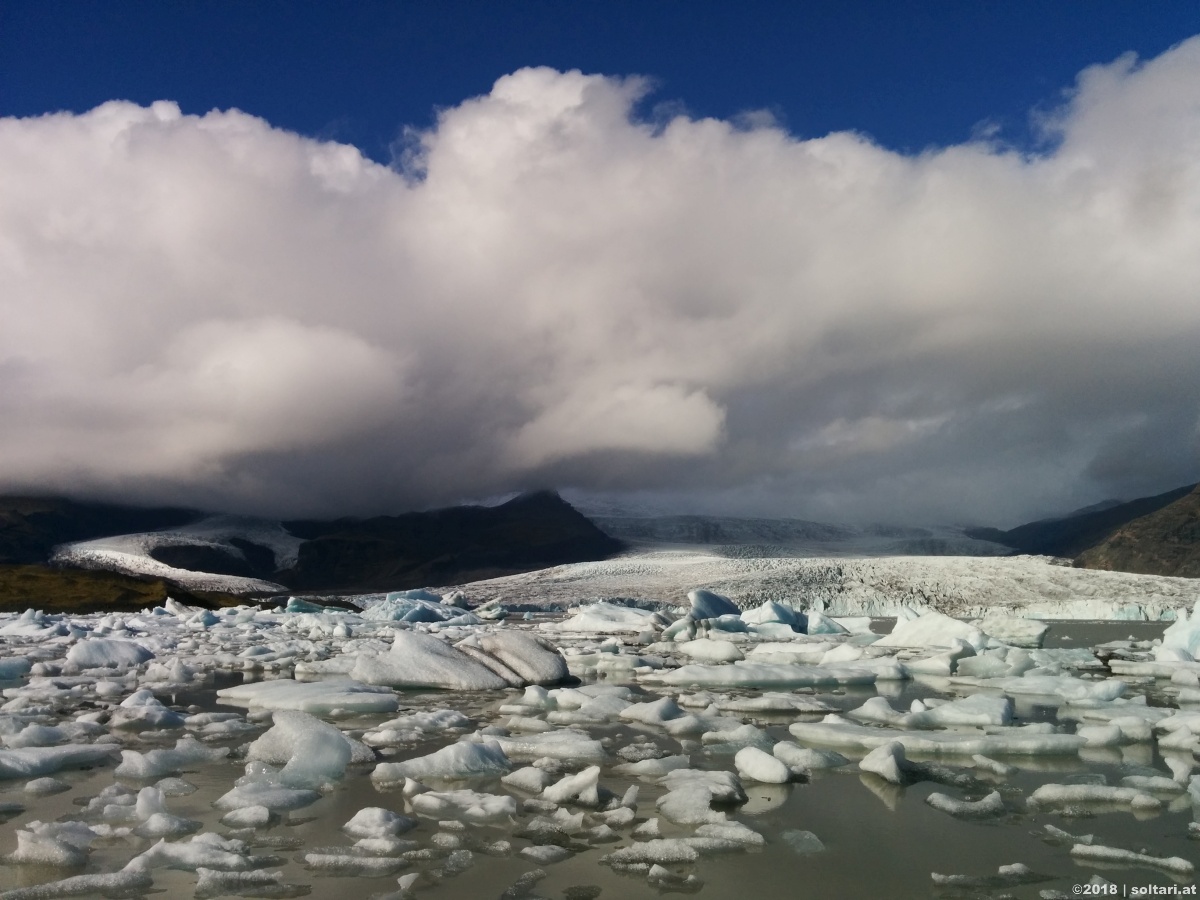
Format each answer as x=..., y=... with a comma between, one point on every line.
x=880, y=840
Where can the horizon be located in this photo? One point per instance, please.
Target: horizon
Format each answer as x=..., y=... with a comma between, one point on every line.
x=928, y=263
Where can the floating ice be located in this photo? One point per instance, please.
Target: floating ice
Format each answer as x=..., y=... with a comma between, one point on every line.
x=533, y=659
x=97, y=653
x=460, y=760
x=749, y=674
x=564, y=743
x=31, y=762
x=312, y=752
x=319, y=698
x=273, y=796
x=932, y=629
x=756, y=765
x=421, y=660
x=143, y=711
x=991, y=805
x=1057, y=795
x=112, y=884
x=708, y=605
x=607, y=618
x=1097, y=853
x=837, y=732
x=186, y=754
x=471, y=806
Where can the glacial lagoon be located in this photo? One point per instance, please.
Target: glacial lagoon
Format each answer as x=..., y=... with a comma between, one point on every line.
x=872, y=837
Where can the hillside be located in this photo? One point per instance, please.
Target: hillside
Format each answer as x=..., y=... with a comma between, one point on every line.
x=1165, y=542
x=60, y=548
x=31, y=527
x=1071, y=535
x=461, y=543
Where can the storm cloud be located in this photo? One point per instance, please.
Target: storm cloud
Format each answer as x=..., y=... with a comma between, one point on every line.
x=550, y=289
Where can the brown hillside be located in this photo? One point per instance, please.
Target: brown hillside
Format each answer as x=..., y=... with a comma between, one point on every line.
x=1166, y=542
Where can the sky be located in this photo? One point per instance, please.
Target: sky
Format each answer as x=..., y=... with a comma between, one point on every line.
x=854, y=261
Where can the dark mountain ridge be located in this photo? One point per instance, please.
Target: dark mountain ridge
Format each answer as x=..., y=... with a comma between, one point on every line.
x=1071, y=535
x=1165, y=542
x=418, y=549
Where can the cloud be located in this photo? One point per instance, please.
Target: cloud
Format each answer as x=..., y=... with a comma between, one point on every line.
x=548, y=290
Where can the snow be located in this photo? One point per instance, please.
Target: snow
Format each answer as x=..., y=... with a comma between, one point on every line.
x=960, y=586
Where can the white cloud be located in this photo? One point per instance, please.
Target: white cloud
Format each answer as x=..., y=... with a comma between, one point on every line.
x=206, y=309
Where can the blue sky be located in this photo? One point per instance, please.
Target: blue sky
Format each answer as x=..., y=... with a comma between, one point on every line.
x=949, y=278
x=909, y=74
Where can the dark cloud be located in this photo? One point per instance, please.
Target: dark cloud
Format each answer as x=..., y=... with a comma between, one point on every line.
x=550, y=291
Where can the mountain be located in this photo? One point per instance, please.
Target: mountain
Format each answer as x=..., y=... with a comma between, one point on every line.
x=55, y=553
x=1165, y=542
x=731, y=535
x=1071, y=535
x=445, y=546
x=31, y=527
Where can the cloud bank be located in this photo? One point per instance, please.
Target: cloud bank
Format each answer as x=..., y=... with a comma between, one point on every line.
x=550, y=290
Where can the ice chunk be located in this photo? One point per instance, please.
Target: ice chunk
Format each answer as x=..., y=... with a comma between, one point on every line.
x=792, y=754
x=45, y=850
x=319, y=698
x=31, y=762
x=887, y=761
x=353, y=865
x=142, y=711
x=663, y=850
x=214, y=883
x=582, y=787
x=991, y=805
x=932, y=629
x=653, y=713
x=1184, y=633
x=1052, y=795
x=707, y=650
x=273, y=796
x=421, y=660
x=207, y=851
x=1097, y=853
x=803, y=842
x=114, y=884
x=248, y=817
x=1064, y=686
x=607, y=618
x=460, y=760
x=186, y=754
x=1014, y=630
x=837, y=732
x=313, y=752
x=533, y=659
x=96, y=653
x=546, y=854
x=43, y=786
x=652, y=768
x=748, y=674
x=14, y=667
x=470, y=806
x=376, y=822
x=563, y=743
x=772, y=612
x=755, y=765
x=709, y=605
